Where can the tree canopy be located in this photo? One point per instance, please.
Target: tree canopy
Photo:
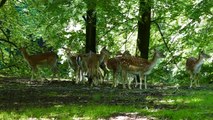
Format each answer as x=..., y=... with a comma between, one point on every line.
x=180, y=28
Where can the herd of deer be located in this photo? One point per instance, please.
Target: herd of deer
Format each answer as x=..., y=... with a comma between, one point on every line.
x=122, y=65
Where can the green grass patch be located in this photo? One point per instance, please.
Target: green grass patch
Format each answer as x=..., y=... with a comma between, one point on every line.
x=64, y=112
x=63, y=101
x=192, y=105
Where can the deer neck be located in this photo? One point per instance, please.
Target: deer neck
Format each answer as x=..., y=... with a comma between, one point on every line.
x=25, y=54
x=102, y=58
x=152, y=64
x=199, y=62
x=154, y=61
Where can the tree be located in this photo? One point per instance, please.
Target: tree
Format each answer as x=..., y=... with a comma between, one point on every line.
x=184, y=25
x=144, y=24
x=91, y=27
x=2, y=3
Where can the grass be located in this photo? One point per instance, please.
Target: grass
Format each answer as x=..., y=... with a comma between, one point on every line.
x=193, y=105
x=67, y=112
x=67, y=101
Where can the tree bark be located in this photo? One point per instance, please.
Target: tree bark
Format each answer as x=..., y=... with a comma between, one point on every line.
x=91, y=31
x=2, y=3
x=144, y=24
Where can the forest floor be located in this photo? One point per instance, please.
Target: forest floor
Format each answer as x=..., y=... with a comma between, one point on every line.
x=18, y=95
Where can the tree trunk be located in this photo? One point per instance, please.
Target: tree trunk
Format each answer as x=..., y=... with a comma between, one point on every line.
x=144, y=24
x=144, y=28
x=91, y=31
x=2, y=3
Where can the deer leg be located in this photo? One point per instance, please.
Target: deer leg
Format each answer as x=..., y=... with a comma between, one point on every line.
x=95, y=76
x=58, y=73
x=80, y=75
x=106, y=76
x=124, y=76
x=141, y=80
x=54, y=71
x=191, y=79
x=41, y=75
x=76, y=71
x=34, y=71
x=32, y=75
x=136, y=80
x=100, y=75
x=145, y=81
x=114, y=81
x=129, y=83
x=117, y=77
x=197, y=83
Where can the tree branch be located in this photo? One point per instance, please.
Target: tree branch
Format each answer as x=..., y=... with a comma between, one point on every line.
x=161, y=33
x=2, y=3
x=3, y=40
x=7, y=40
x=165, y=43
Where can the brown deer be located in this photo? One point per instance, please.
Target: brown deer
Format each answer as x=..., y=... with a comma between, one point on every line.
x=112, y=65
x=139, y=66
x=93, y=62
x=42, y=59
x=193, y=66
x=74, y=61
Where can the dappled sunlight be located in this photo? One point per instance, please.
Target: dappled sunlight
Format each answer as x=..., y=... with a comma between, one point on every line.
x=130, y=116
x=151, y=110
x=180, y=100
x=65, y=100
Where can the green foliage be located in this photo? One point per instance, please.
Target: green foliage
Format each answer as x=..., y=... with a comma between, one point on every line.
x=186, y=27
x=168, y=103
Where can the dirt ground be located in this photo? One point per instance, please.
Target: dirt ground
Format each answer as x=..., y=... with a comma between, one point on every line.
x=17, y=93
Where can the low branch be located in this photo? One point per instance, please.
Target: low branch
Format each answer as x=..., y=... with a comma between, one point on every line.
x=3, y=40
x=5, y=34
x=10, y=66
x=84, y=17
x=2, y=3
x=165, y=43
x=161, y=33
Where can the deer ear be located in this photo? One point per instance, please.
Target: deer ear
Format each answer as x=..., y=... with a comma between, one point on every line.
x=201, y=51
x=155, y=50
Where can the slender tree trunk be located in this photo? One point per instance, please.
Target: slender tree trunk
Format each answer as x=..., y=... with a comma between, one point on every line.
x=144, y=24
x=91, y=31
x=2, y=3
x=144, y=28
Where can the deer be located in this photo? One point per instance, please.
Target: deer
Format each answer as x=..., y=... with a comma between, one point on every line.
x=73, y=61
x=139, y=66
x=193, y=66
x=43, y=59
x=112, y=65
x=82, y=61
x=93, y=62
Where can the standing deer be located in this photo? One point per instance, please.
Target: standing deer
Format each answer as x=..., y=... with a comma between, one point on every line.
x=193, y=66
x=74, y=63
x=93, y=62
x=42, y=59
x=139, y=66
x=113, y=65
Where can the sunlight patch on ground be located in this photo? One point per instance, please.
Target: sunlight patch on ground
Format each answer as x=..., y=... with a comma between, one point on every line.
x=130, y=116
x=180, y=100
x=81, y=118
x=41, y=119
